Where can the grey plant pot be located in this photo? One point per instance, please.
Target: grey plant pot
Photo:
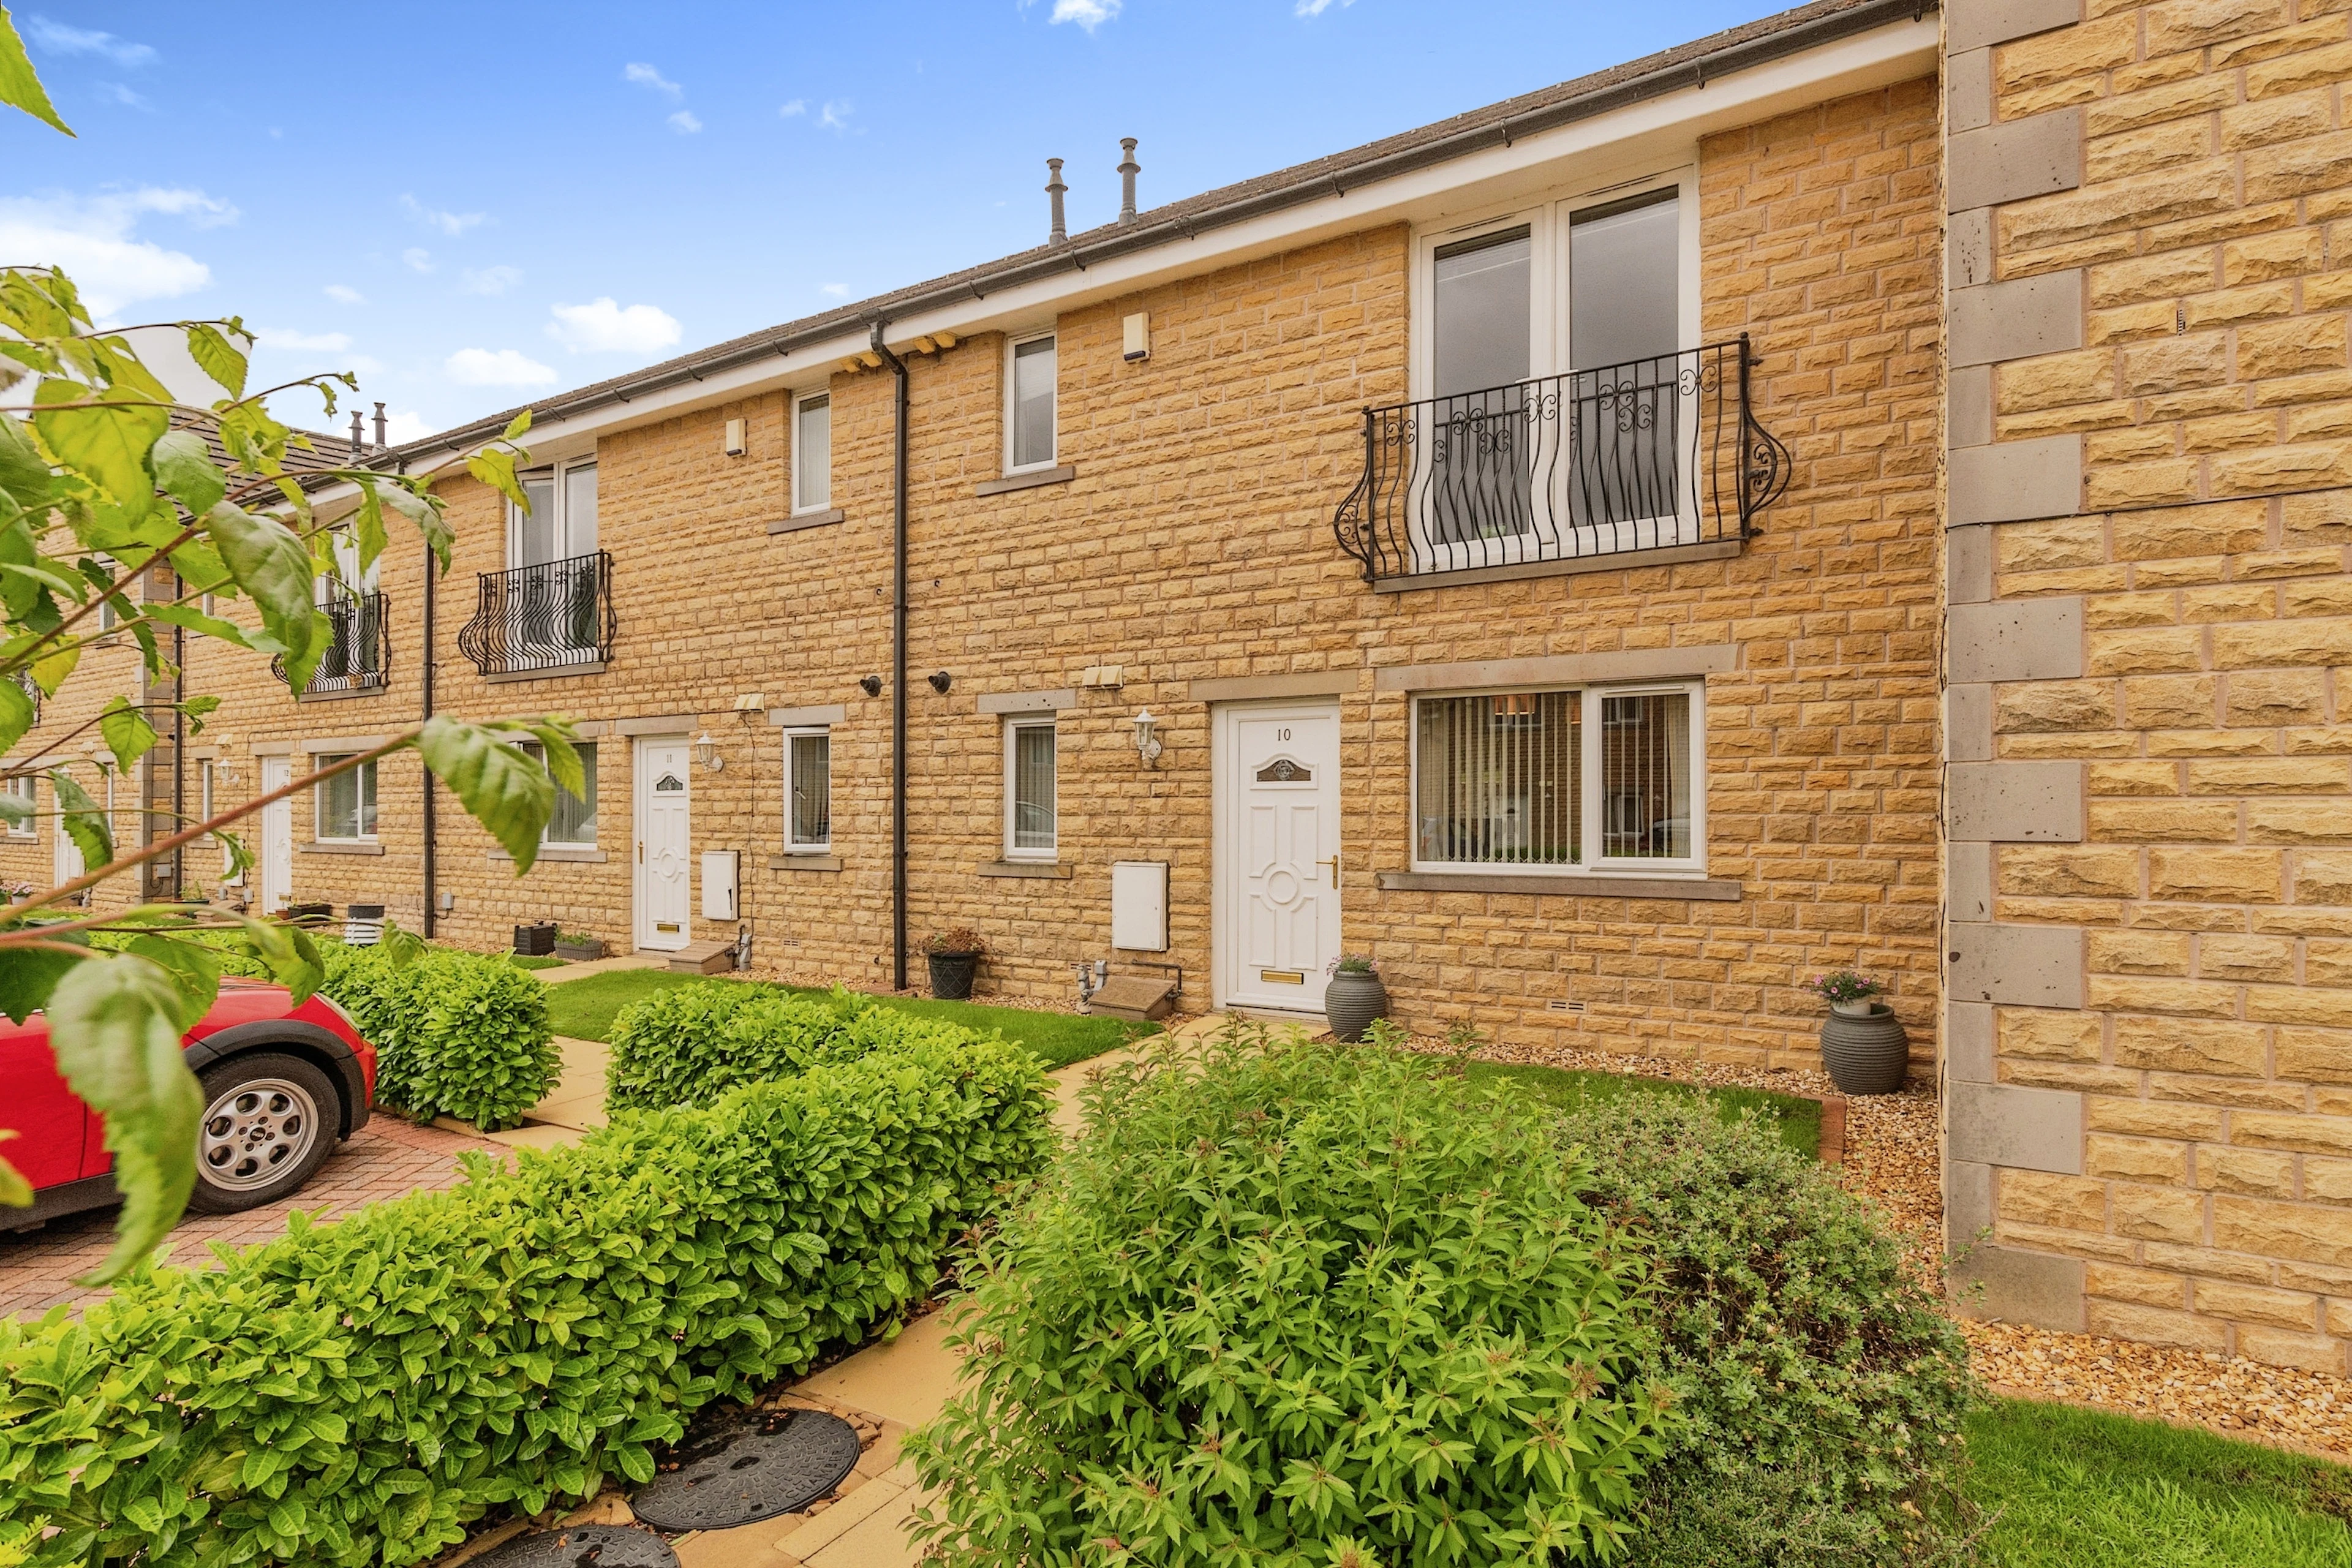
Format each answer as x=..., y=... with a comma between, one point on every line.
x=1868, y=1053
x=579, y=951
x=952, y=975
x=1351, y=1003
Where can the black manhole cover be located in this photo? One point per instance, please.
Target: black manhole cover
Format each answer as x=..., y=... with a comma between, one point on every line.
x=583, y=1546
x=750, y=1470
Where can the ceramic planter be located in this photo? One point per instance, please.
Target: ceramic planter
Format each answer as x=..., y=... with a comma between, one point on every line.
x=1352, y=1001
x=952, y=975
x=1865, y=1047
x=535, y=941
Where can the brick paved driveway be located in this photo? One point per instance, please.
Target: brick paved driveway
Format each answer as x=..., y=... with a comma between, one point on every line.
x=386, y=1158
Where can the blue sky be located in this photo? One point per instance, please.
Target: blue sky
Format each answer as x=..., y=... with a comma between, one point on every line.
x=476, y=204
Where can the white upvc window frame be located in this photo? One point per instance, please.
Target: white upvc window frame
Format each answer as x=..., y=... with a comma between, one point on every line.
x=24, y=787
x=589, y=758
x=1013, y=345
x=1590, y=863
x=802, y=505
x=806, y=846
x=557, y=474
x=1014, y=727
x=365, y=772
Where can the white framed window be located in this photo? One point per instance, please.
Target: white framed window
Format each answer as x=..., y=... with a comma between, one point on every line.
x=573, y=823
x=1564, y=780
x=562, y=523
x=1030, y=813
x=1030, y=376
x=813, y=453
x=808, y=792
x=344, y=805
x=26, y=791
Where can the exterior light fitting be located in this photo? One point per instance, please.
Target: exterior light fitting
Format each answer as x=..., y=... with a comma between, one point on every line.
x=940, y=680
x=872, y=684
x=1147, y=744
x=705, y=751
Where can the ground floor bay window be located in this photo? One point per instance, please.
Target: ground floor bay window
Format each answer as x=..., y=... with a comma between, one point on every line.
x=1587, y=779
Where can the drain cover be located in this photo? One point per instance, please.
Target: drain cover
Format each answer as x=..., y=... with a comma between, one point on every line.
x=583, y=1546
x=753, y=1469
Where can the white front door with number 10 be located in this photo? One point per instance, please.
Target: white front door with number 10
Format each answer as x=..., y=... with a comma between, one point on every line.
x=664, y=868
x=1277, y=855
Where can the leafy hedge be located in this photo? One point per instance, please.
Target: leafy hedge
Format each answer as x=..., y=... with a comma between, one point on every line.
x=691, y=1044
x=1818, y=1385
x=354, y=1394
x=456, y=1033
x=1302, y=1304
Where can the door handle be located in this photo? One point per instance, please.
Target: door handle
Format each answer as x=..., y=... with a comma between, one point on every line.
x=641, y=852
x=1334, y=863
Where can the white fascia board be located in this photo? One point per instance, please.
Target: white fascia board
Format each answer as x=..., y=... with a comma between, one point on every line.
x=1859, y=64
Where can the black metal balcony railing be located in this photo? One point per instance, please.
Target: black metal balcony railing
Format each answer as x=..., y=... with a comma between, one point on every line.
x=548, y=617
x=359, y=643
x=1652, y=454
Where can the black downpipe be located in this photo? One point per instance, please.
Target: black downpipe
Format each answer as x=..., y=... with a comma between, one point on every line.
x=426, y=669
x=897, y=671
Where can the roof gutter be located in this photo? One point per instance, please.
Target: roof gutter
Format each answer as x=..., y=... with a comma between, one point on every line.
x=1077, y=256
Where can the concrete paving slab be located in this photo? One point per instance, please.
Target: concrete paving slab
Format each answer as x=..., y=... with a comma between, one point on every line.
x=535, y=1137
x=878, y=1540
x=907, y=1381
x=557, y=976
x=809, y=1542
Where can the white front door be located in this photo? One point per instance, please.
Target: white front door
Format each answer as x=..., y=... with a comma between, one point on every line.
x=1277, y=855
x=665, y=877
x=276, y=850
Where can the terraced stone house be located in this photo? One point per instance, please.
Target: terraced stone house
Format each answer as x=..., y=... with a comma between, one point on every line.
x=1870, y=488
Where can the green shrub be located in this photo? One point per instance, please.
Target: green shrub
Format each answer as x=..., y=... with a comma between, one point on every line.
x=1302, y=1304
x=356, y=1392
x=456, y=1033
x=1819, y=1385
x=689, y=1045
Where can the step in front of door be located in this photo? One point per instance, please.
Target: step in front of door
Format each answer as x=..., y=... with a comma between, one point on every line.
x=709, y=957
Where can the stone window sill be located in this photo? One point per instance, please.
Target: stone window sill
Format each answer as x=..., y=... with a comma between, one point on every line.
x=803, y=862
x=1699, y=888
x=583, y=854
x=1030, y=482
x=1054, y=870
x=806, y=520
x=326, y=847
x=341, y=696
x=557, y=673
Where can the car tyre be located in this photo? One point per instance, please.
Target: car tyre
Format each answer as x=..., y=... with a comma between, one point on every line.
x=269, y=1120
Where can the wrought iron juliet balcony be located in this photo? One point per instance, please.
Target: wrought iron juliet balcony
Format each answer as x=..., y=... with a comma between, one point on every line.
x=359, y=643
x=550, y=616
x=1619, y=462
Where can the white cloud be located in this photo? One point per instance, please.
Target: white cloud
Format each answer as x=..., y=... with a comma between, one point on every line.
x=603, y=326
x=94, y=238
x=645, y=75
x=838, y=290
x=401, y=426
x=121, y=95
x=506, y=367
x=418, y=258
x=1316, y=7
x=61, y=39
x=1087, y=14
x=835, y=115
x=319, y=342
x=684, y=122
x=451, y=224
x=488, y=280
x=797, y=106
x=344, y=294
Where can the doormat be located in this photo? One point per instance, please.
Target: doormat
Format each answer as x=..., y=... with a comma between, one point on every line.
x=775, y=1462
x=583, y=1546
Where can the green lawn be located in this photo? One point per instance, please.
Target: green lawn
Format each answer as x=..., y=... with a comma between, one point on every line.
x=1797, y=1119
x=535, y=961
x=2059, y=1487
x=584, y=1009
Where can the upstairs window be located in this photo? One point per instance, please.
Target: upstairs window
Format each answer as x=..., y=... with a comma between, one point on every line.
x=813, y=454
x=26, y=793
x=1030, y=826
x=562, y=523
x=1030, y=396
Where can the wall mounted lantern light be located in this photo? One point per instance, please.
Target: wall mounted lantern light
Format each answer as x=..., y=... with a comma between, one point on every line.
x=705, y=751
x=1147, y=744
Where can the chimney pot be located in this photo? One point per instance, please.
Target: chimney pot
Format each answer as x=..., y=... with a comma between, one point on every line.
x=356, y=432
x=1127, y=168
x=1053, y=188
x=380, y=425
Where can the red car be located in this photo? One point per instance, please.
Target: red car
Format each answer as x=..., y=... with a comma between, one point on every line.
x=282, y=1085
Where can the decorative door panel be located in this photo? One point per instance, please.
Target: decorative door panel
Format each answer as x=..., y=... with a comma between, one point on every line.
x=664, y=870
x=1279, y=856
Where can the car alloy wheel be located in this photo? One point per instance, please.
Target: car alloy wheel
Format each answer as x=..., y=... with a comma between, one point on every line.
x=257, y=1134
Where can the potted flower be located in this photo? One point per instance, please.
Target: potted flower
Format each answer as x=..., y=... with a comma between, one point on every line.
x=954, y=955
x=1354, y=995
x=578, y=947
x=1863, y=1042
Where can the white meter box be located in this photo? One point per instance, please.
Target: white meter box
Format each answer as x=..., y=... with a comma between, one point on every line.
x=719, y=885
x=1138, y=906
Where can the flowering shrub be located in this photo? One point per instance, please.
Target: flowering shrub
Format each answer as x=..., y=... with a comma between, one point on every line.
x=1353, y=963
x=1842, y=985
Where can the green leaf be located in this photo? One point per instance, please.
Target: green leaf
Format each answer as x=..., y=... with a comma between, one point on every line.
x=113, y=1025
x=183, y=466
x=189, y=618
x=274, y=568
x=218, y=357
x=517, y=425
x=28, y=974
x=126, y=731
x=505, y=791
x=563, y=761
x=367, y=528
x=495, y=467
x=19, y=87
x=195, y=969
x=84, y=821
x=425, y=511
x=14, y=1190
x=24, y=472
x=49, y=670
x=15, y=717
x=107, y=445
x=292, y=957
x=14, y=808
